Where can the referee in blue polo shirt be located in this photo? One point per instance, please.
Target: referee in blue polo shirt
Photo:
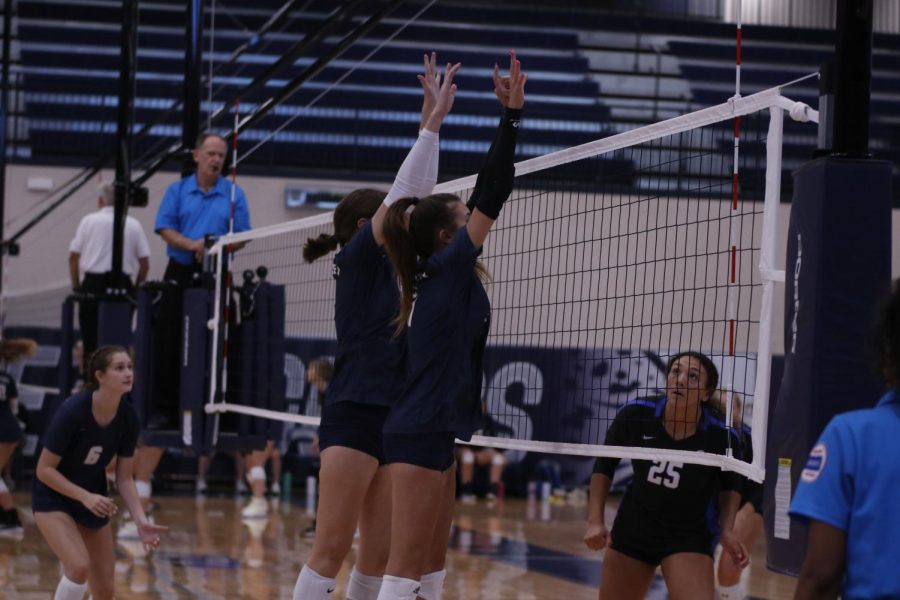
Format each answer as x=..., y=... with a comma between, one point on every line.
x=198, y=206
x=850, y=491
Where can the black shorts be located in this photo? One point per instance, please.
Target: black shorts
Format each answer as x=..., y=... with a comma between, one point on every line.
x=354, y=425
x=645, y=540
x=433, y=451
x=753, y=494
x=43, y=499
x=9, y=430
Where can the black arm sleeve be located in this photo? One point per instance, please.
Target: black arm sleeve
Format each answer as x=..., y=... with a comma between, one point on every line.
x=495, y=180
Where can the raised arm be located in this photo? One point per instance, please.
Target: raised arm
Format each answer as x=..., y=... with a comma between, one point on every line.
x=495, y=180
x=418, y=173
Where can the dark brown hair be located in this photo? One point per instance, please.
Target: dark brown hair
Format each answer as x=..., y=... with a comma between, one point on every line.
x=712, y=373
x=358, y=204
x=430, y=215
x=100, y=361
x=322, y=367
x=14, y=349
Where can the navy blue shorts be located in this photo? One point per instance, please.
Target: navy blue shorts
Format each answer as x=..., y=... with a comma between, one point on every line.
x=43, y=499
x=753, y=494
x=354, y=425
x=433, y=451
x=10, y=431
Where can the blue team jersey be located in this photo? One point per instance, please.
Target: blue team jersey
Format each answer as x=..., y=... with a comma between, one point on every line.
x=9, y=425
x=851, y=482
x=446, y=336
x=194, y=213
x=369, y=361
x=86, y=448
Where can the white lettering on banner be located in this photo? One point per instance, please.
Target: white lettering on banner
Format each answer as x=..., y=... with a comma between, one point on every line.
x=796, y=294
x=527, y=375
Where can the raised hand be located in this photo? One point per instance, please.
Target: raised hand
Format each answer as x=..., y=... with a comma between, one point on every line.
x=510, y=89
x=431, y=85
x=149, y=534
x=445, y=96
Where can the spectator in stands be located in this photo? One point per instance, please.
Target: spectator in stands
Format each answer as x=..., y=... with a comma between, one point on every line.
x=10, y=430
x=192, y=209
x=90, y=260
x=662, y=520
x=469, y=457
x=849, y=490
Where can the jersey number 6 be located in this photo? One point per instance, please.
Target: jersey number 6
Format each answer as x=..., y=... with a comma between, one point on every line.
x=665, y=473
x=93, y=455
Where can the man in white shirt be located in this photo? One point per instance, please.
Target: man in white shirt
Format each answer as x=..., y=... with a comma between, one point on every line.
x=90, y=253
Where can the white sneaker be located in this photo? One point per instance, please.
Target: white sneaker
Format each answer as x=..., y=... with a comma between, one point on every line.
x=240, y=488
x=201, y=487
x=467, y=498
x=275, y=488
x=257, y=508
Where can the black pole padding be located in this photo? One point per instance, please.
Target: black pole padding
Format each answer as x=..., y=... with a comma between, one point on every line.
x=853, y=78
x=4, y=114
x=127, y=68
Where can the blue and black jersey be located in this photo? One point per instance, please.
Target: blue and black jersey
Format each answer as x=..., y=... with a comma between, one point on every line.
x=673, y=495
x=369, y=361
x=446, y=335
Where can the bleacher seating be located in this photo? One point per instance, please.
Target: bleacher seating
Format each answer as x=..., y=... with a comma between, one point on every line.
x=591, y=75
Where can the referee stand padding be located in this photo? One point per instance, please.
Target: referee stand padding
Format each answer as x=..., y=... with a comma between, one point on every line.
x=256, y=375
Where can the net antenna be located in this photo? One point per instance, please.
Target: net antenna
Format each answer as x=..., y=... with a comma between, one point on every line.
x=619, y=244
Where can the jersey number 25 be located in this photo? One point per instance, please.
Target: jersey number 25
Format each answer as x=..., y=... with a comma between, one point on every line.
x=665, y=473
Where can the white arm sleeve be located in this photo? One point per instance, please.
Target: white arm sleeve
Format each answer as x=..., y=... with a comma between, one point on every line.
x=418, y=173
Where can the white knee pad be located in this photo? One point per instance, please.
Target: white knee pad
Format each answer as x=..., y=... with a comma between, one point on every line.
x=468, y=458
x=256, y=474
x=3, y=488
x=362, y=587
x=498, y=459
x=398, y=588
x=144, y=488
x=734, y=592
x=432, y=585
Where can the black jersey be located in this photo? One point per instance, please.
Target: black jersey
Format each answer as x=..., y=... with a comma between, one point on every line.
x=84, y=446
x=671, y=494
x=369, y=362
x=446, y=336
x=9, y=425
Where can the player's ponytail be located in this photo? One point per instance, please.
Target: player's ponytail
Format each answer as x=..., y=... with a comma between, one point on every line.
x=398, y=243
x=358, y=204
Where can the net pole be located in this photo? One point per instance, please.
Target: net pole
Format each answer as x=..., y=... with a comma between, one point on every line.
x=770, y=275
x=732, y=292
x=225, y=273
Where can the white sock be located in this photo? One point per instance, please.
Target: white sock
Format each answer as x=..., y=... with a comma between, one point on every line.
x=398, y=588
x=732, y=592
x=432, y=585
x=362, y=587
x=312, y=586
x=69, y=590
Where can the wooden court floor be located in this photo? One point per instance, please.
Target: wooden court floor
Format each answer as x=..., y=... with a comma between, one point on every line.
x=513, y=549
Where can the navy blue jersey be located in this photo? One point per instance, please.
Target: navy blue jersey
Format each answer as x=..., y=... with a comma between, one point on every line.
x=86, y=448
x=9, y=425
x=671, y=494
x=445, y=341
x=369, y=361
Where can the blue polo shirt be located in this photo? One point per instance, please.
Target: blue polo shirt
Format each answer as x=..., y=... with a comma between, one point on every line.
x=445, y=341
x=368, y=366
x=852, y=482
x=195, y=214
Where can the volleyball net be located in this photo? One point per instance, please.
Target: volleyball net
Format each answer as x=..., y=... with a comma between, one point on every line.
x=609, y=258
